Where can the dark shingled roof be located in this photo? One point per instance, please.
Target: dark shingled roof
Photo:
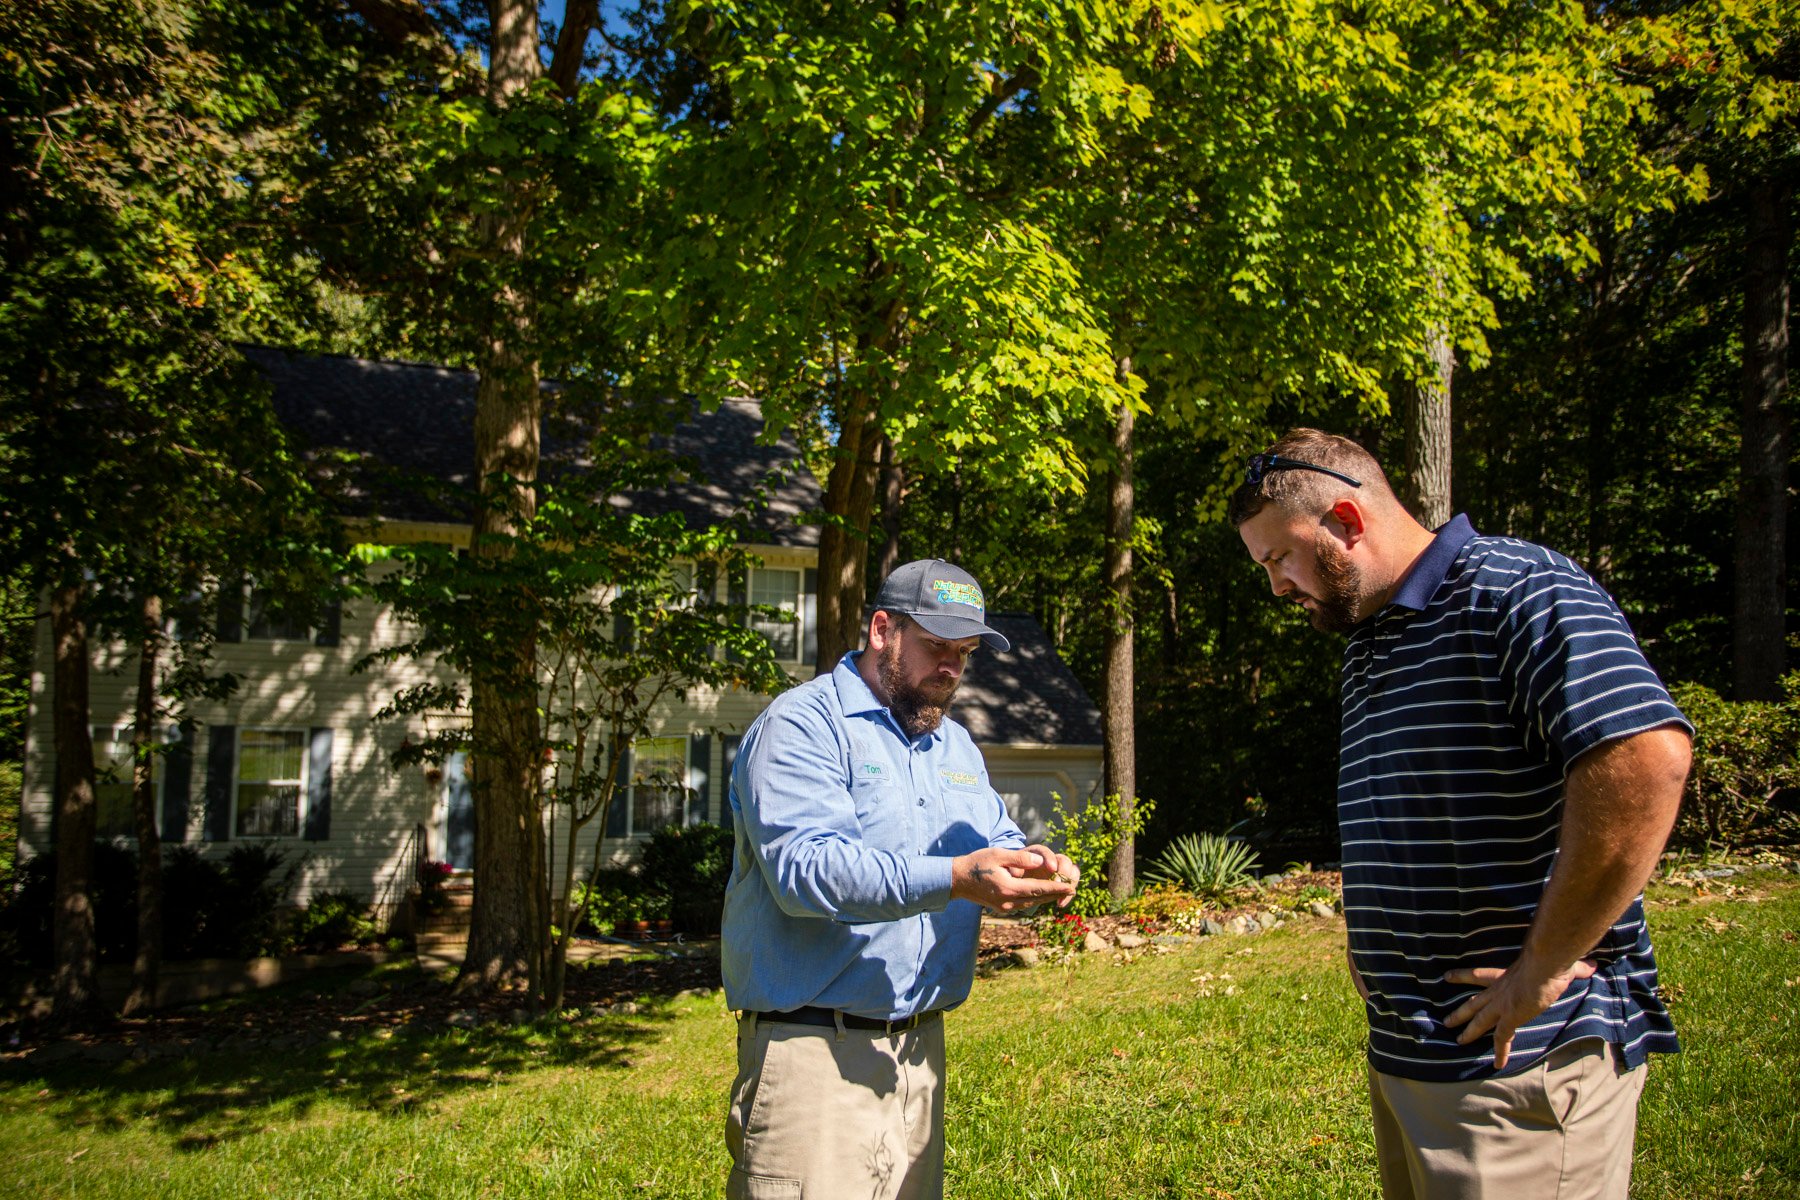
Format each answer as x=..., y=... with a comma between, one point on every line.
x=410, y=428
x=1026, y=695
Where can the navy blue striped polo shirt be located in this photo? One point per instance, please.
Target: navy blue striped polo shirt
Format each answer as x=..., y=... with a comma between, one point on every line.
x=1465, y=699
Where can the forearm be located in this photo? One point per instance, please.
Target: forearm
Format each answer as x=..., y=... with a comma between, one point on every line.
x=830, y=878
x=1618, y=807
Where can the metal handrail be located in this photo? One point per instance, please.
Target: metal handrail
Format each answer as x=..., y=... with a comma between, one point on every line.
x=393, y=892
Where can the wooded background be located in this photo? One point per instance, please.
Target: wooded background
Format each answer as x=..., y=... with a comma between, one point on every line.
x=1028, y=283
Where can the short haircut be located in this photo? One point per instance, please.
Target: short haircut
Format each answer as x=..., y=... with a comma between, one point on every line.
x=1309, y=493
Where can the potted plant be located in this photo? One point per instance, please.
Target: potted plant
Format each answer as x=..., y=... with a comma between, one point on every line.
x=628, y=919
x=656, y=910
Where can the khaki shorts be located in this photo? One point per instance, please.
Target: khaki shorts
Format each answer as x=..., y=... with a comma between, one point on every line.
x=819, y=1114
x=1560, y=1130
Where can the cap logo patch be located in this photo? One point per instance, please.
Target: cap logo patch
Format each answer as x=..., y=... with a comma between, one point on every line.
x=950, y=592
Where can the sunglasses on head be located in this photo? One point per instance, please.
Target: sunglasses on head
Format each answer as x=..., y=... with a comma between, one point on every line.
x=1262, y=464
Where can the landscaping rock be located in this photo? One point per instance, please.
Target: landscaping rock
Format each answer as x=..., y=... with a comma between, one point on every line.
x=465, y=1018
x=1211, y=928
x=1026, y=957
x=1322, y=910
x=1093, y=943
x=1171, y=939
x=1241, y=925
x=1272, y=878
x=519, y=1016
x=1269, y=920
x=1130, y=941
x=694, y=994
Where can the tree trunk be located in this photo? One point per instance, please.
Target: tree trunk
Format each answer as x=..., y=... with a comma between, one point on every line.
x=507, y=921
x=1427, y=491
x=1120, y=732
x=73, y=931
x=147, y=963
x=1759, y=650
x=893, y=497
x=844, y=540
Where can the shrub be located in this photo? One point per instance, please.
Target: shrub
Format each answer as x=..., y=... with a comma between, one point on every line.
x=685, y=870
x=228, y=909
x=330, y=920
x=1088, y=836
x=30, y=910
x=1746, y=763
x=1204, y=864
x=1166, y=904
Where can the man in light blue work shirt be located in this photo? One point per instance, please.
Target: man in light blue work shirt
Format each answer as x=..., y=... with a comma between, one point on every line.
x=868, y=841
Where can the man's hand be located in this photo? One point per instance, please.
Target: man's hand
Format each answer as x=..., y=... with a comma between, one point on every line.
x=1011, y=879
x=1514, y=995
x=1052, y=865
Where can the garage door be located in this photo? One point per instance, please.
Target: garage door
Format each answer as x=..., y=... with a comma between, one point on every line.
x=1028, y=797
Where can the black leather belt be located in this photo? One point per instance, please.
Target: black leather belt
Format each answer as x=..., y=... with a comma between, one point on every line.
x=814, y=1015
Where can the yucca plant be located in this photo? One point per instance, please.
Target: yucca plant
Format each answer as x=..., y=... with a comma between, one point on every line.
x=1204, y=864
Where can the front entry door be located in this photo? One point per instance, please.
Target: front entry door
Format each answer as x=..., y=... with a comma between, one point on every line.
x=459, y=814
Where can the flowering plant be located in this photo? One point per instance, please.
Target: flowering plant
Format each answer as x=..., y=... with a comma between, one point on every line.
x=432, y=877
x=1065, y=932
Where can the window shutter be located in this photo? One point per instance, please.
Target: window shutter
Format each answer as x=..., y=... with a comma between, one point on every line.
x=737, y=591
x=178, y=774
x=318, y=787
x=728, y=751
x=331, y=624
x=230, y=626
x=618, y=816
x=809, y=617
x=700, y=777
x=221, y=762
x=621, y=626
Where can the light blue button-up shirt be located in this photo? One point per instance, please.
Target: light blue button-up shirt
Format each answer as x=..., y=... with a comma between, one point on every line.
x=840, y=888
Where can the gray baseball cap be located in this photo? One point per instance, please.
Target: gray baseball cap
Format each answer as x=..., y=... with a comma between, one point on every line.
x=943, y=598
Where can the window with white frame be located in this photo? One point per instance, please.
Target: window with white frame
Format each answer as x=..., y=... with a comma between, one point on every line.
x=777, y=588
x=271, y=779
x=264, y=621
x=115, y=817
x=659, y=791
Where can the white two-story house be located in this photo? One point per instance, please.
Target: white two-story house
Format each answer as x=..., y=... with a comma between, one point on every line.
x=296, y=759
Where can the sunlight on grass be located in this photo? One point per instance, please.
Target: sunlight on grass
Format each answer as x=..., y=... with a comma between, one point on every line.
x=1232, y=1067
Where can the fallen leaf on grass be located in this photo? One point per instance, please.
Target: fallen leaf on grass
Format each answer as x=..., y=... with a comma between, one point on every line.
x=76, y=1155
x=1118, y=1053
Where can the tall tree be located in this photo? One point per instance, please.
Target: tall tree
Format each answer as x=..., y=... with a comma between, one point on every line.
x=860, y=210
x=124, y=155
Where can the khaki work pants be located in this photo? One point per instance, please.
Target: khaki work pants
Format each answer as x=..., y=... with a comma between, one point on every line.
x=826, y=1114
x=1562, y=1130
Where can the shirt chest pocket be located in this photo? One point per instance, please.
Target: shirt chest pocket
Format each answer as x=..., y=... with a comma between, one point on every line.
x=966, y=811
x=880, y=804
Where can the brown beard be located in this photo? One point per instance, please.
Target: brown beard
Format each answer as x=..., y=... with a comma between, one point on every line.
x=1334, y=611
x=918, y=710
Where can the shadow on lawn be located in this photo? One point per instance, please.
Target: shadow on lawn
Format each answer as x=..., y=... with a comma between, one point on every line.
x=219, y=1072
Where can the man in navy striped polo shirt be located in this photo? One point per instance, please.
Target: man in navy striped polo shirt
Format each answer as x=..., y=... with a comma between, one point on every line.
x=1509, y=769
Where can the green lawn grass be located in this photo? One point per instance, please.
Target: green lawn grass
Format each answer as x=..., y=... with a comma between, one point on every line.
x=1229, y=1068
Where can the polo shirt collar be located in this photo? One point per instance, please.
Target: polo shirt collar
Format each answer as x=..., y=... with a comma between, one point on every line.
x=1415, y=591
